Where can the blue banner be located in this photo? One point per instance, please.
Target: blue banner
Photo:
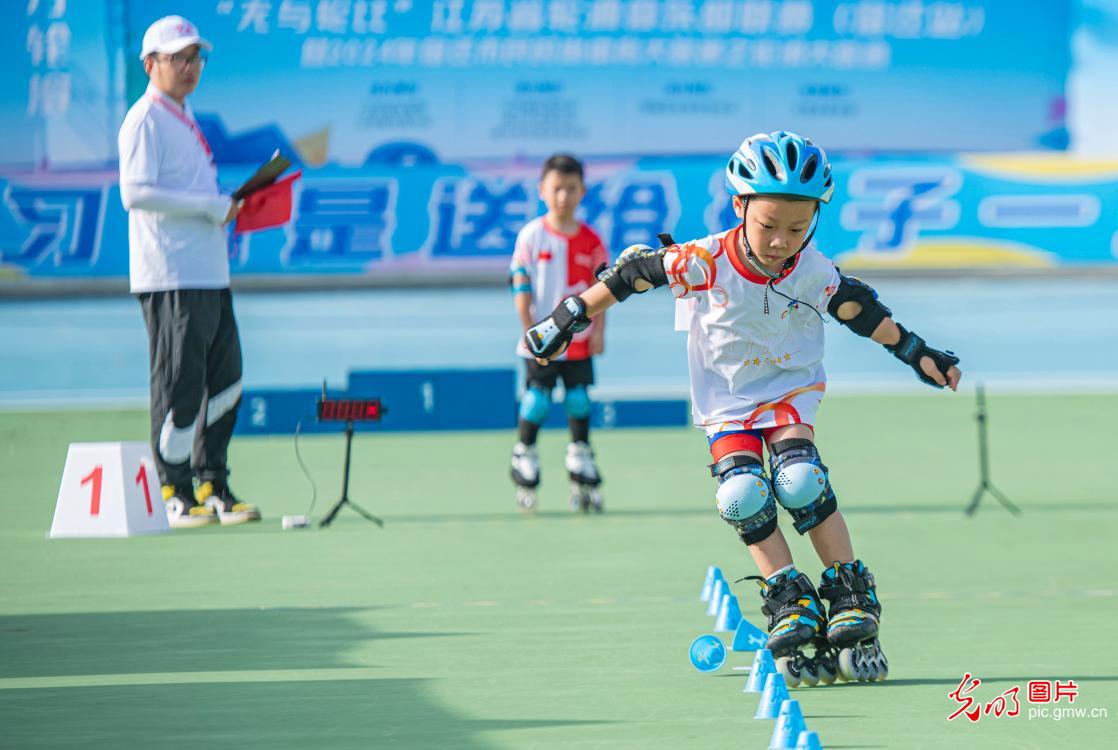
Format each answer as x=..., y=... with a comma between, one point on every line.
x=361, y=82
x=440, y=221
x=470, y=79
x=61, y=90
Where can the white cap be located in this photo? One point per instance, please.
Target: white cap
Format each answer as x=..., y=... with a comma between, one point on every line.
x=171, y=34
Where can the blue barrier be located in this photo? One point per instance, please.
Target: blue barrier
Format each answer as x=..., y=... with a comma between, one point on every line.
x=432, y=400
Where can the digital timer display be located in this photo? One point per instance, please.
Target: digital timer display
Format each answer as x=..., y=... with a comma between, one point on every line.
x=350, y=410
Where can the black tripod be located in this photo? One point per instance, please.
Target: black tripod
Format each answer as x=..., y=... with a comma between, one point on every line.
x=345, y=487
x=984, y=483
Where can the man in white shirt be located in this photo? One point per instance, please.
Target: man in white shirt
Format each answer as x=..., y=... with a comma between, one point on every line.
x=179, y=269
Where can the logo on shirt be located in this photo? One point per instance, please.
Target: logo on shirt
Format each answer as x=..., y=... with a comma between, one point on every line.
x=545, y=255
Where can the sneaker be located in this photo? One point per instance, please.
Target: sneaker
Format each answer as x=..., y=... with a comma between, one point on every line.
x=220, y=499
x=183, y=512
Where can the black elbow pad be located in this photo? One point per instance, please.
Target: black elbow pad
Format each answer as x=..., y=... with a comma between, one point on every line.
x=873, y=312
x=639, y=269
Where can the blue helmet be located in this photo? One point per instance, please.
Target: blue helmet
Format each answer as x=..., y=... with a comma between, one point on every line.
x=780, y=163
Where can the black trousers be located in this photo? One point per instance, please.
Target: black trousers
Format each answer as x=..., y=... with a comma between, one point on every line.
x=195, y=354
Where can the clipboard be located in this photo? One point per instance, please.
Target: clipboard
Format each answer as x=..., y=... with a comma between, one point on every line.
x=264, y=176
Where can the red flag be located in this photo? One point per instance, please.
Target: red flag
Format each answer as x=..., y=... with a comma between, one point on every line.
x=268, y=207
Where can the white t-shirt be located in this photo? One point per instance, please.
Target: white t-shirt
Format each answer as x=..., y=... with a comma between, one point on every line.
x=168, y=185
x=557, y=265
x=755, y=357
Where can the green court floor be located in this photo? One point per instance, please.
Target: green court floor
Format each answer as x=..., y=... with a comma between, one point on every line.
x=463, y=624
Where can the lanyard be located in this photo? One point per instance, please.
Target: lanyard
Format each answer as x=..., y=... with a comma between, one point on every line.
x=185, y=121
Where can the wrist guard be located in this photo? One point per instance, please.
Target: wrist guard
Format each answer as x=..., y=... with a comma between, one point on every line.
x=552, y=334
x=911, y=348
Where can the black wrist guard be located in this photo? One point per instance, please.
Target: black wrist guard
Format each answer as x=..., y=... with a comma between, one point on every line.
x=548, y=337
x=872, y=313
x=911, y=348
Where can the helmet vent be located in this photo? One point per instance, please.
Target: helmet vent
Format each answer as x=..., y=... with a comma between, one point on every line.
x=771, y=164
x=810, y=166
x=743, y=171
x=793, y=155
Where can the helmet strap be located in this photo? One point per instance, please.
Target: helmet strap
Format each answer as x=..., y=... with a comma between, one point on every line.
x=749, y=256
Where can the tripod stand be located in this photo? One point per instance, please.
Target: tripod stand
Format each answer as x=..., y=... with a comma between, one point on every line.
x=345, y=487
x=984, y=483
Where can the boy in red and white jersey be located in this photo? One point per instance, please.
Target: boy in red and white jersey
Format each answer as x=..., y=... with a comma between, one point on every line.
x=555, y=257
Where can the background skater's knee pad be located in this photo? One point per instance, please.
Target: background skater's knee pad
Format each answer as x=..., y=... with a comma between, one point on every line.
x=801, y=484
x=745, y=501
x=577, y=402
x=534, y=405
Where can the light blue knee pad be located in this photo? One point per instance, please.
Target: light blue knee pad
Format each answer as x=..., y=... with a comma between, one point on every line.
x=535, y=404
x=577, y=402
x=745, y=501
x=801, y=484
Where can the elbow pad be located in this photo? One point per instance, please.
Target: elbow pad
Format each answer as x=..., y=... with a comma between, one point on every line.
x=639, y=269
x=855, y=290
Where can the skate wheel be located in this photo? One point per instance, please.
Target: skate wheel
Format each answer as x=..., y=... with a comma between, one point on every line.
x=788, y=667
x=810, y=675
x=526, y=499
x=851, y=667
x=580, y=502
x=596, y=500
x=825, y=667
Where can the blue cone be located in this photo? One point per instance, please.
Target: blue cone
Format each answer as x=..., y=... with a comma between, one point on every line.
x=729, y=615
x=714, y=573
x=789, y=724
x=707, y=653
x=809, y=741
x=763, y=666
x=748, y=637
x=716, y=593
x=776, y=692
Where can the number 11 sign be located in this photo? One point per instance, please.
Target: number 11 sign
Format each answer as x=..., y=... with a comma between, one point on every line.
x=108, y=489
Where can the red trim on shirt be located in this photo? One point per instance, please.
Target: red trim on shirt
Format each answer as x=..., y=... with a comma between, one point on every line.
x=552, y=230
x=161, y=100
x=730, y=244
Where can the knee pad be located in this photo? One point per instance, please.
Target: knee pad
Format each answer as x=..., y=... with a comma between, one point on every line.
x=745, y=499
x=800, y=482
x=577, y=402
x=535, y=404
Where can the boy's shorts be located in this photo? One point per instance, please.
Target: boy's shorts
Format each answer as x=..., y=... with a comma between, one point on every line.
x=753, y=430
x=730, y=441
x=574, y=372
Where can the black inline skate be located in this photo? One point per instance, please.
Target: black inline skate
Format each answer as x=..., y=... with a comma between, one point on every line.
x=796, y=619
x=854, y=615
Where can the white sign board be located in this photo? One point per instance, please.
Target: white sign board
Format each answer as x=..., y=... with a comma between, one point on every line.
x=107, y=490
